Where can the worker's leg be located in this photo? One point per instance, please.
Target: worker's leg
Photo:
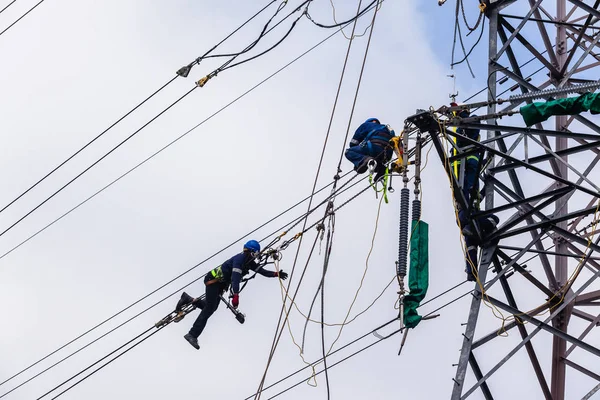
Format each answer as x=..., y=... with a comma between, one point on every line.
x=356, y=155
x=470, y=178
x=213, y=293
x=471, y=258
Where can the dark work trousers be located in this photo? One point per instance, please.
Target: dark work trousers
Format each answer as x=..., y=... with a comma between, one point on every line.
x=470, y=178
x=212, y=300
x=471, y=255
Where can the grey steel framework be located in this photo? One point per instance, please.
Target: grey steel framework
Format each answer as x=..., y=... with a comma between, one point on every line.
x=543, y=182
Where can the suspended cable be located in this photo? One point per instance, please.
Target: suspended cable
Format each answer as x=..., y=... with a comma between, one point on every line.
x=98, y=361
x=319, y=360
x=340, y=361
x=260, y=36
x=197, y=61
x=265, y=51
x=280, y=327
x=328, y=246
x=161, y=150
x=289, y=226
x=173, y=141
x=355, y=341
x=199, y=84
x=161, y=287
x=346, y=138
x=362, y=69
x=466, y=57
x=8, y=5
x=92, y=342
x=357, y=16
x=184, y=71
x=79, y=373
x=99, y=160
x=21, y=17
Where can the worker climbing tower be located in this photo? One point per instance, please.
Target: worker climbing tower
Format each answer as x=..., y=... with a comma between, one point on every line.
x=542, y=181
x=538, y=166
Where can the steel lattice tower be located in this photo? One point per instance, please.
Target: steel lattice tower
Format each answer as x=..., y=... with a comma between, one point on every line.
x=541, y=266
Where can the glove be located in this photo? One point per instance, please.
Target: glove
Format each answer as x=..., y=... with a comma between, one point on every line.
x=282, y=275
x=235, y=302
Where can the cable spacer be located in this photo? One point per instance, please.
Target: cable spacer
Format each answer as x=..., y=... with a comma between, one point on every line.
x=482, y=7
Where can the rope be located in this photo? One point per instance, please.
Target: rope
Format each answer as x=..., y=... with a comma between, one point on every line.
x=362, y=279
x=278, y=335
x=328, y=246
x=362, y=69
x=343, y=33
x=341, y=190
x=358, y=339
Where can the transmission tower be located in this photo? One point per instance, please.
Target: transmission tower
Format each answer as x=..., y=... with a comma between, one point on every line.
x=543, y=183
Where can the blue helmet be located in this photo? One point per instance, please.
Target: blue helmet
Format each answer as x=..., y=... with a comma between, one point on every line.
x=375, y=120
x=252, y=245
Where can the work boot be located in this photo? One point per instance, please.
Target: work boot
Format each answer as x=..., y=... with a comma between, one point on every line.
x=192, y=340
x=470, y=276
x=199, y=303
x=362, y=167
x=183, y=301
x=468, y=230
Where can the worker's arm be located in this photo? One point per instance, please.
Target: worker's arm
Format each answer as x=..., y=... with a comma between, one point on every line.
x=260, y=270
x=269, y=274
x=236, y=272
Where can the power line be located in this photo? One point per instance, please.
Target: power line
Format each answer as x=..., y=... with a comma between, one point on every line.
x=196, y=61
x=358, y=339
x=357, y=16
x=98, y=160
x=278, y=331
x=339, y=362
x=138, y=165
x=199, y=84
x=101, y=359
x=173, y=142
x=166, y=284
x=8, y=5
x=21, y=17
x=289, y=225
x=114, y=351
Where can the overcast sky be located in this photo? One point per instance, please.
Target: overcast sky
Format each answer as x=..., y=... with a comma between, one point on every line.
x=72, y=68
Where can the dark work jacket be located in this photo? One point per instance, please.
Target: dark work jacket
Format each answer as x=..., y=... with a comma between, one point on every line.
x=232, y=270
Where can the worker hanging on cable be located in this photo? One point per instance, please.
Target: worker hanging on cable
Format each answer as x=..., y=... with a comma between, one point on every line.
x=217, y=282
x=370, y=146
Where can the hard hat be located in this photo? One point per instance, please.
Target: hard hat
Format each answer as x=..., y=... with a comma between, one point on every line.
x=252, y=245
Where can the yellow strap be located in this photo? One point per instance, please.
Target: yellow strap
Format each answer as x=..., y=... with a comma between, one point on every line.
x=455, y=164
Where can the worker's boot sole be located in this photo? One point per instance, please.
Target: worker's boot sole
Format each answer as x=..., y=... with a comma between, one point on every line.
x=183, y=301
x=192, y=340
